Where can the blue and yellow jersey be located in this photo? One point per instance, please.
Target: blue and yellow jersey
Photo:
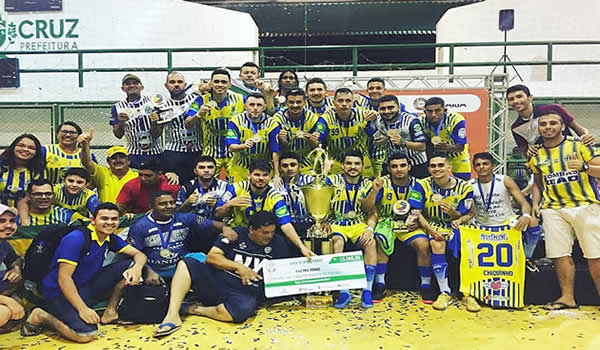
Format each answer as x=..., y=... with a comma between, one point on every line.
x=59, y=161
x=56, y=215
x=13, y=184
x=460, y=197
x=339, y=136
x=564, y=188
x=364, y=102
x=327, y=104
x=390, y=194
x=214, y=124
x=304, y=124
x=84, y=203
x=242, y=128
x=452, y=130
x=271, y=200
x=346, y=204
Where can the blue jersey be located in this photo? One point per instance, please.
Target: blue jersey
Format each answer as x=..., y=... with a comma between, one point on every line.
x=294, y=198
x=217, y=189
x=145, y=234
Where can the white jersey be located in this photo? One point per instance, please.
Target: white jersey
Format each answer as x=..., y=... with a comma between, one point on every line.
x=500, y=206
x=177, y=137
x=137, y=128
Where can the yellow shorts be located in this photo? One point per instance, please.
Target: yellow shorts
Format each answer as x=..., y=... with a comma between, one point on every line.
x=408, y=237
x=367, y=171
x=461, y=164
x=350, y=232
x=237, y=173
x=223, y=166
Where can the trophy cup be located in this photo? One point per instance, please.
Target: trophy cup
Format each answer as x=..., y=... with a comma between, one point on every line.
x=318, y=196
x=401, y=209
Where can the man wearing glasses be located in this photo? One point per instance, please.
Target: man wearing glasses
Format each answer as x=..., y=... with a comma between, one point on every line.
x=41, y=209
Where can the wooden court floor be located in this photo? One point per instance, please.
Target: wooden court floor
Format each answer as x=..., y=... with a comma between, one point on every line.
x=401, y=321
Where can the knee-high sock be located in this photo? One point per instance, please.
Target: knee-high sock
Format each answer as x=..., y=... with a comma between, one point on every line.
x=380, y=270
x=425, y=273
x=440, y=270
x=370, y=272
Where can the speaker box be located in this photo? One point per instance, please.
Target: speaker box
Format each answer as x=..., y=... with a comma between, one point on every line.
x=9, y=73
x=506, y=19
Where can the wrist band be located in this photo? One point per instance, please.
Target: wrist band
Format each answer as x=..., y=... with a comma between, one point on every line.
x=371, y=229
x=526, y=216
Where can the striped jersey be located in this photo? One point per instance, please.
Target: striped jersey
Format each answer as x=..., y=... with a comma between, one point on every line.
x=389, y=194
x=346, y=203
x=13, y=184
x=270, y=200
x=137, y=128
x=327, y=103
x=452, y=129
x=341, y=136
x=214, y=124
x=56, y=215
x=304, y=124
x=59, y=161
x=460, y=197
x=177, y=137
x=564, y=188
x=217, y=190
x=242, y=128
x=365, y=102
x=294, y=198
x=84, y=202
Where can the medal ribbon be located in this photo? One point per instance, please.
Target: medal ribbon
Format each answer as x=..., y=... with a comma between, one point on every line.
x=351, y=204
x=437, y=130
x=487, y=202
x=262, y=197
x=164, y=243
x=396, y=188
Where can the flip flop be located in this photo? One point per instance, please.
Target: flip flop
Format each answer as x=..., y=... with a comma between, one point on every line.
x=29, y=329
x=557, y=305
x=172, y=329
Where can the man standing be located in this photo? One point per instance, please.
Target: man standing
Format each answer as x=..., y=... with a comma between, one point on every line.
x=318, y=101
x=297, y=125
x=385, y=194
x=229, y=285
x=135, y=194
x=77, y=279
x=375, y=90
x=350, y=224
x=182, y=145
x=564, y=171
x=252, y=135
x=525, y=128
x=397, y=131
x=211, y=113
x=202, y=194
x=447, y=132
x=134, y=118
x=440, y=200
x=343, y=129
x=253, y=195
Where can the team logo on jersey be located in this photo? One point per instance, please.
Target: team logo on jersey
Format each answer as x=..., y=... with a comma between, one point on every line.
x=242, y=245
x=282, y=211
x=268, y=249
x=462, y=133
x=415, y=195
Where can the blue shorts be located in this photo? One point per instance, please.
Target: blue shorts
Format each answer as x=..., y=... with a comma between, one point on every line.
x=205, y=285
x=103, y=284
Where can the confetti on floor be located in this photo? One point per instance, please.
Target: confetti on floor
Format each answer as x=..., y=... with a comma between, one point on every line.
x=401, y=321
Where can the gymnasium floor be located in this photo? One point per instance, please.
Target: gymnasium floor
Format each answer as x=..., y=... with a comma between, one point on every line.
x=401, y=321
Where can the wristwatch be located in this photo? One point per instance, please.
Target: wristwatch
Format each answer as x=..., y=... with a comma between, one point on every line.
x=584, y=167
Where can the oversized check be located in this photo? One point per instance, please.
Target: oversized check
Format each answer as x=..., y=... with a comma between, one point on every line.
x=322, y=273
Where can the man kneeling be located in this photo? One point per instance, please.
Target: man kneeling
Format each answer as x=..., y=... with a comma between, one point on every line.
x=229, y=286
x=77, y=279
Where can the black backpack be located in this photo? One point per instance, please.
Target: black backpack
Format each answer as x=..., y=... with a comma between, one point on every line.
x=38, y=257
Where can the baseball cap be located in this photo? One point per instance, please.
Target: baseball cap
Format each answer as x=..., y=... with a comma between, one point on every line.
x=5, y=208
x=131, y=76
x=116, y=149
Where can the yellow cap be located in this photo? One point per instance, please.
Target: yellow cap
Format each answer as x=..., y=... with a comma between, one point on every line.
x=116, y=149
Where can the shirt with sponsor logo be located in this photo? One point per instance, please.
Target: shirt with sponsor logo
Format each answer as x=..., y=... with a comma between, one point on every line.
x=389, y=194
x=341, y=136
x=217, y=189
x=460, y=197
x=565, y=188
x=295, y=200
x=270, y=200
x=242, y=128
x=346, y=204
x=295, y=143
x=137, y=127
x=214, y=124
x=177, y=137
x=451, y=129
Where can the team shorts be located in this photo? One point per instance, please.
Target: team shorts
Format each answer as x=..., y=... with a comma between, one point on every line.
x=461, y=166
x=350, y=232
x=223, y=164
x=240, y=305
x=237, y=173
x=562, y=226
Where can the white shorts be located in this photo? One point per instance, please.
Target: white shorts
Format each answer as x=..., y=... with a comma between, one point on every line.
x=561, y=226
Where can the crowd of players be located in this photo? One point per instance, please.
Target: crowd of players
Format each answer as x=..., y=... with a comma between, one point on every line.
x=260, y=138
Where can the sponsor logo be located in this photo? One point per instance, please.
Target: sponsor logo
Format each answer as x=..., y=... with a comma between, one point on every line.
x=415, y=195
x=38, y=34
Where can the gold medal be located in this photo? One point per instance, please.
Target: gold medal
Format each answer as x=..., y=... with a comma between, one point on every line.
x=165, y=253
x=351, y=214
x=256, y=138
x=436, y=140
x=436, y=198
x=401, y=207
x=392, y=133
x=299, y=134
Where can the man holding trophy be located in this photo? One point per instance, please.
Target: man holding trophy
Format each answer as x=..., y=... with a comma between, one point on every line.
x=441, y=200
x=389, y=195
x=350, y=223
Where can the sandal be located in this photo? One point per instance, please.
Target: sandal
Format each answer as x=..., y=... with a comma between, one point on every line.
x=29, y=329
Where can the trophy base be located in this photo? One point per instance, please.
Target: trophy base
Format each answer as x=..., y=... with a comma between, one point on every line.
x=318, y=301
x=319, y=246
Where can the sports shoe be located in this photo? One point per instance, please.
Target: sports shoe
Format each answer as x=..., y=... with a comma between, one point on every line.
x=428, y=295
x=443, y=301
x=471, y=304
x=378, y=292
x=342, y=301
x=365, y=300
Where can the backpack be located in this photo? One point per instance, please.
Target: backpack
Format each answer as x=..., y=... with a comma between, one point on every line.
x=38, y=257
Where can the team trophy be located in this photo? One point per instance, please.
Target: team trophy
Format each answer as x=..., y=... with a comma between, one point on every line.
x=318, y=196
x=158, y=105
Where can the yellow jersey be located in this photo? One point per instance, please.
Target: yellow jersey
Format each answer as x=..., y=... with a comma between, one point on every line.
x=346, y=204
x=59, y=161
x=422, y=197
x=13, y=184
x=390, y=194
x=84, y=203
x=296, y=144
x=242, y=128
x=339, y=136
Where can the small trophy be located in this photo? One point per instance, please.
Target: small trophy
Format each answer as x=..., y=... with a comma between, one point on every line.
x=401, y=209
x=318, y=196
x=158, y=105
